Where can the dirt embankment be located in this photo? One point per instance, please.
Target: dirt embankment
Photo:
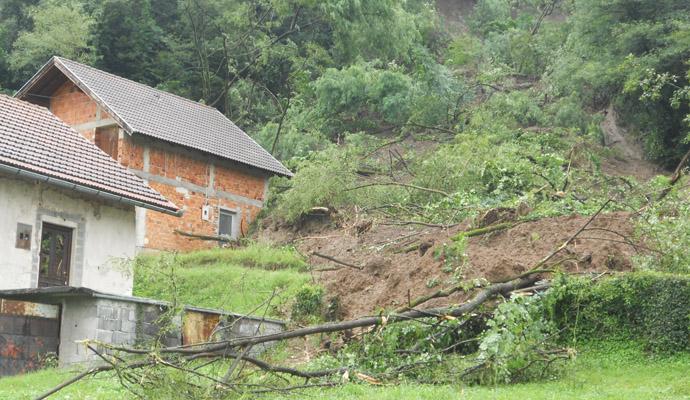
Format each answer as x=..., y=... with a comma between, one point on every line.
x=395, y=269
x=629, y=159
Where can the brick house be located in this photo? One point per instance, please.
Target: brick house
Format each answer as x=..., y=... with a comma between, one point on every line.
x=189, y=152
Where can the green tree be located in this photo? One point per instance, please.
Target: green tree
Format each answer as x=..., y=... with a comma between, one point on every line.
x=59, y=28
x=612, y=46
x=131, y=43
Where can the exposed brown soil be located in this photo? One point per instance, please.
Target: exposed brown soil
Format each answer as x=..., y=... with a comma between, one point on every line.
x=629, y=160
x=395, y=271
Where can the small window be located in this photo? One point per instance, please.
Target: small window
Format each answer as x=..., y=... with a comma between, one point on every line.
x=225, y=223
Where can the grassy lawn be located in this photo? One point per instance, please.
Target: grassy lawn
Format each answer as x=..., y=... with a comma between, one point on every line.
x=619, y=374
x=234, y=280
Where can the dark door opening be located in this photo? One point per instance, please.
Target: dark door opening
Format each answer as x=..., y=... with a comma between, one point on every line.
x=56, y=251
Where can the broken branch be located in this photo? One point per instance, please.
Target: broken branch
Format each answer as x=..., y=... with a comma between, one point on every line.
x=335, y=260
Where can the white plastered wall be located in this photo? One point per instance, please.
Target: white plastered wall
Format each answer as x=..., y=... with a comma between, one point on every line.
x=103, y=237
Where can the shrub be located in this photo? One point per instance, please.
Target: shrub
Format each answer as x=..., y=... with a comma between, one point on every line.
x=653, y=308
x=308, y=302
x=511, y=347
x=666, y=228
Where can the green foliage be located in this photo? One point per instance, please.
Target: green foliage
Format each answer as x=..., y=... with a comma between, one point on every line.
x=308, y=302
x=319, y=183
x=649, y=308
x=516, y=339
x=328, y=179
x=382, y=29
x=344, y=96
x=51, y=35
x=131, y=42
x=385, y=353
x=638, y=45
x=454, y=255
x=603, y=372
x=666, y=228
x=463, y=50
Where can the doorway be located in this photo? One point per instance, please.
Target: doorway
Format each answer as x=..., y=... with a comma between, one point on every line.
x=55, y=255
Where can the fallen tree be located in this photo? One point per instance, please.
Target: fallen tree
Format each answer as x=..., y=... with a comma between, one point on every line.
x=176, y=357
x=179, y=358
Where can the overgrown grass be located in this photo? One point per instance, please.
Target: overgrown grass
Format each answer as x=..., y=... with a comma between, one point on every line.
x=219, y=278
x=602, y=371
x=259, y=255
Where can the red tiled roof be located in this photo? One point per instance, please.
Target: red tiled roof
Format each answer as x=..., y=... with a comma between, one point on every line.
x=142, y=109
x=32, y=139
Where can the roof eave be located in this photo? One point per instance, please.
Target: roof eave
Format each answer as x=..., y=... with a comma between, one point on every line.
x=23, y=172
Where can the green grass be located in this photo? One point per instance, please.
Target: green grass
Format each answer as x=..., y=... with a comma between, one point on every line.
x=630, y=375
x=196, y=279
x=103, y=387
x=257, y=255
x=597, y=373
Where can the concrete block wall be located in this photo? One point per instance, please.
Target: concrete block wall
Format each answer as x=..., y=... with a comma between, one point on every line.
x=137, y=322
x=128, y=323
x=247, y=327
x=206, y=325
x=116, y=322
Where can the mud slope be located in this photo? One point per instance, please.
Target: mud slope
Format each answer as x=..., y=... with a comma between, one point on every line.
x=394, y=271
x=629, y=158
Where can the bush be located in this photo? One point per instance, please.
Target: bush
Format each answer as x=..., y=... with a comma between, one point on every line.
x=511, y=347
x=308, y=302
x=666, y=228
x=652, y=308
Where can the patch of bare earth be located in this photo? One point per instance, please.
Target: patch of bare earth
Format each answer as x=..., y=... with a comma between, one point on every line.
x=629, y=160
x=401, y=262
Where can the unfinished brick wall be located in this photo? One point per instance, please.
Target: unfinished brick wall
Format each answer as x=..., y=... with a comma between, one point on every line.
x=186, y=177
x=160, y=228
x=75, y=108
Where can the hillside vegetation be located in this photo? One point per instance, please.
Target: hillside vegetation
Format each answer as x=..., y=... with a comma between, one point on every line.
x=488, y=201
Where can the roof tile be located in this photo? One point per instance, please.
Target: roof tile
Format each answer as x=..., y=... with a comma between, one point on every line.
x=162, y=115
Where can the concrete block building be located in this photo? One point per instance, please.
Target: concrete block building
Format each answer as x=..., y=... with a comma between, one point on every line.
x=189, y=152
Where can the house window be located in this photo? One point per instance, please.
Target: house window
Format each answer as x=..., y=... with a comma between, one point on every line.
x=106, y=140
x=55, y=255
x=225, y=222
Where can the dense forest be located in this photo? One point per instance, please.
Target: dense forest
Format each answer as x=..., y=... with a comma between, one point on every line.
x=480, y=148
x=300, y=74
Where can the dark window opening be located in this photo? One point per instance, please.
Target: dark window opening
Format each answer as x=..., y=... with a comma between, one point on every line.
x=225, y=222
x=55, y=254
x=106, y=140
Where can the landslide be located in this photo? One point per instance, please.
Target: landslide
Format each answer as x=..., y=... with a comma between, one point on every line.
x=400, y=263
